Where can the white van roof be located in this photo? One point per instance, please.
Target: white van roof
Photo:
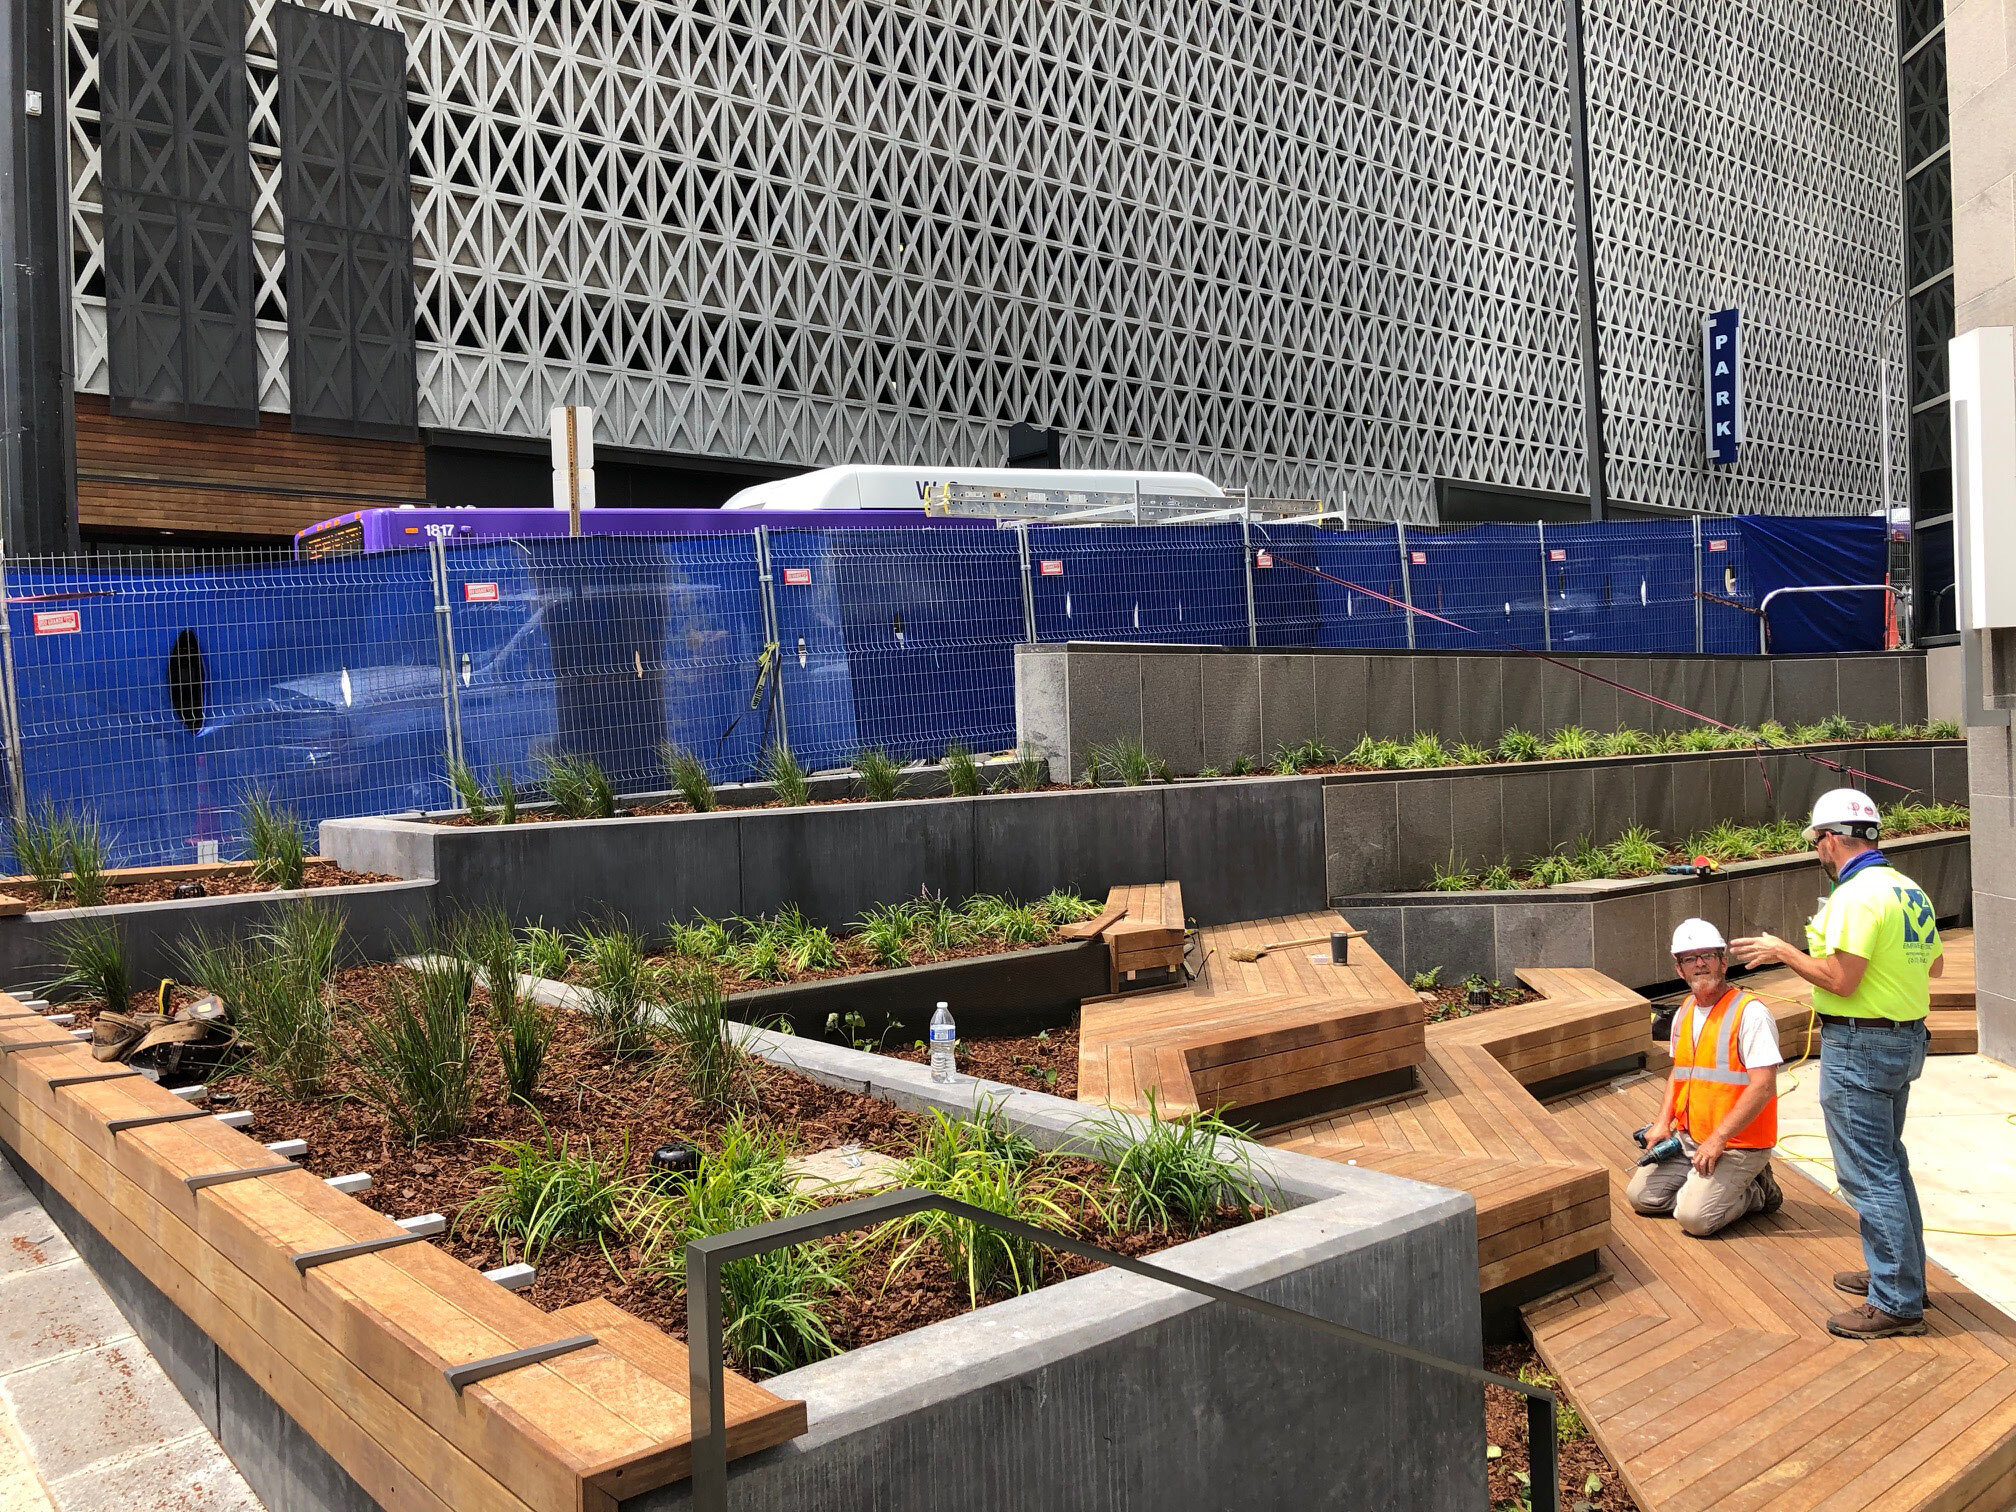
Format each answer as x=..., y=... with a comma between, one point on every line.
x=868, y=487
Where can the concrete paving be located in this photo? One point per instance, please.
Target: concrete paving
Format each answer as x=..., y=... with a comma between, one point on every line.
x=1963, y=1156
x=88, y=1420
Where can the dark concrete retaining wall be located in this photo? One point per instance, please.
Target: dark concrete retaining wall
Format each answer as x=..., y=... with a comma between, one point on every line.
x=379, y=918
x=1112, y=1391
x=1203, y=706
x=1623, y=928
x=1243, y=850
x=1994, y=821
x=1018, y=993
x=1388, y=831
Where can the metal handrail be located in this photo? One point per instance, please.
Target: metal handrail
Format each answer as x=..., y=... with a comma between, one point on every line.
x=707, y=1373
x=1764, y=608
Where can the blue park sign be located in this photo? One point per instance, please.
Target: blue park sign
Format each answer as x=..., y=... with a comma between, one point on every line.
x=1722, y=369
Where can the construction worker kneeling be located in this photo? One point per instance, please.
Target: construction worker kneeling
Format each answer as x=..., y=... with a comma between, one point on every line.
x=1720, y=1118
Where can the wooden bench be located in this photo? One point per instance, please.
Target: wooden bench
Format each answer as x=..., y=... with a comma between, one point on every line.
x=1148, y=935
x=1252, y=1035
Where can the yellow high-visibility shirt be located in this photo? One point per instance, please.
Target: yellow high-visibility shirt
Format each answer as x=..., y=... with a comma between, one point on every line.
x=1883, y=916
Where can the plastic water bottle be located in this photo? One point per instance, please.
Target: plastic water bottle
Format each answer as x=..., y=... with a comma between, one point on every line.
x=944, y=1039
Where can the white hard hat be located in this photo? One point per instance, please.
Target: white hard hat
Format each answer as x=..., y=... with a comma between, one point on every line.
x=1847, y=811
x=1697, y=934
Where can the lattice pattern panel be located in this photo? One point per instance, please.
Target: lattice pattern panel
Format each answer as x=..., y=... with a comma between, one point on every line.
x=1312, y=248
x=1746, y=154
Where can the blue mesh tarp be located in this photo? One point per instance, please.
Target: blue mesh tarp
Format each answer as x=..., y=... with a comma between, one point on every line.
x=1297, y=608
x=1181, y=585
x=1484, y=578
x=1621, y=586
x=1786, y=551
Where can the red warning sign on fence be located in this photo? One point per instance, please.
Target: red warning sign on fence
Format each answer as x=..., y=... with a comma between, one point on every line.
x=1718, y=545
x=479, y=593
x=1556, y=554
x=1053, y=569
x=1418, y=558
x=797, y=577
x=58, y=621
x=1264, y=559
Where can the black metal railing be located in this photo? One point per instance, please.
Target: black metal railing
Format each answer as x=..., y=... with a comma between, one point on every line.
x=706, y=1257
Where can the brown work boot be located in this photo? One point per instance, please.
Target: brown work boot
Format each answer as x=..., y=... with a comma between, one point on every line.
x=1869, y=1322
x=1855, y=1283
x=1774, y=1195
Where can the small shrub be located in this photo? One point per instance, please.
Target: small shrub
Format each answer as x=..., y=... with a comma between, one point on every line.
x=1239, y=766
x=276, y=986
x=1426, y=981
x=1837, y=727
x=1005, y=920
x=705, y=939
x=507, y=796
x=1062, y=907
x=1519, y=745
x=577, y=786
x=1883, y=730
x=1570, y=743
x=542, y=1192
x=1455, y=877
x=621, y=982
x=1773, y=733
x=1468, y=753
x=1703, y=738
x=1125, y=759
x=92, y=954
x=962, y=772
x=787, y=778
x=1423, y=751
x=1497, y=878
x=1026, y=773
x=806, y=946
x=1592, y=861
x=939, y=924
x=1177, y=1172
x=1625, y=742
x=1378, y=755
x=1636, y=852
x=85, y=853
x=543, y=952
x=520, y=1025
x=1942, y=729
x=688, y=775
x=275, y=838
x=42, y=848
x=1552, y=869
x=1727, y=841
x=417, y=1060
x=1288, y=760
x=881, y=778
x=711, y=1054
x=1568, y=1424
x=886, y=931
x=469, y=788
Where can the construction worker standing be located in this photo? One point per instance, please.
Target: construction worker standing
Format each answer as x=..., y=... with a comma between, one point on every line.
x=1721, y=1100
x=1870, y=954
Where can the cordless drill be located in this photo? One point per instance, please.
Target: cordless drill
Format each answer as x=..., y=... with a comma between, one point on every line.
x=1668, y=1148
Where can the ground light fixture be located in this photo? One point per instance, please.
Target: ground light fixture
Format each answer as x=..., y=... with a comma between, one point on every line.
x=674, y=1162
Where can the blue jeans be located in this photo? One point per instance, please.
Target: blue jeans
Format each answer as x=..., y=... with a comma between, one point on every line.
x=1865, y=1082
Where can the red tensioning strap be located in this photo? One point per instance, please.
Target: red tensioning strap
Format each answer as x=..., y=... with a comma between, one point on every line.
x=1555, y=661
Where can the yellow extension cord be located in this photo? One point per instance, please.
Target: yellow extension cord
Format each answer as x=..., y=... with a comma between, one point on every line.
x=1812, y=1029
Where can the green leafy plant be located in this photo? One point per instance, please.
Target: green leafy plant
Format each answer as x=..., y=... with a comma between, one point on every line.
x=1423, y=751
x=1942, y=729
x=881, y=777
x=1003, y=919
x=544, y=1192
x=1636, y=852
x=1125, y=759
x=1209, y=771
x=507, y=796
x=520, y=1025
x=622, y=984
x=1592, y=861
x=543, y=952
x=1726, y=841
x=1301, y=757
x=704, y=939
x=86, y=856
x=1239, y=766
x=1568, y=1424
x=1703, y=738
x=1063, y=907
x=469, y=788
x=886, y=930
x=276, y=984
x=1519, y=745
x=275, y=838
x=962, y=772
x=1626, y=742
x=1455, y=877
x=711, y=1054
x=1837, y=727
x=990, y=1261
x=1497, y=878
x=93, y=956
x=1882, y=730
x=42, y=847
x=417, y=1059
x=577, y=786
x=1569, y=743
x=1772, y=733
x=1026, y=773
x=787, y=778
x=938, y=924
x=1552, y=869
x=1426, y=981
x=1377, y=755
x=688, y=775
x=1468, y=753
x=1177, y=1172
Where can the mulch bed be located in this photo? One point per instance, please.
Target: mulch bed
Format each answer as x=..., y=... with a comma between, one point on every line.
x=628, y=1109
x=854, y=953
x=1046, y=1062
x=231, y=884
x=1588, y=1480
x=1445, y=1003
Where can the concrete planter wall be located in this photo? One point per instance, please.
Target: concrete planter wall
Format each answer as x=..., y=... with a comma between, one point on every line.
x=1158, y=1398
x=1623, y=928
x=1243, y=850
x=379, y=918
x=1388, y=831
x=1203, y=706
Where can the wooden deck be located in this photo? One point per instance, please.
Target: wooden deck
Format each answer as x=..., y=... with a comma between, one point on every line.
x=1704, y=1369
x=1250, y=1034
x=1951, y=1021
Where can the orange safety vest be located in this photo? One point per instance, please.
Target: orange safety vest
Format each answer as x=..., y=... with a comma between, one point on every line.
x=1711, y=1075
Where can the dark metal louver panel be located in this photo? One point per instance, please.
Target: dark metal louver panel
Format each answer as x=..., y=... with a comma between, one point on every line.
x=349, y=213
x=179, y=278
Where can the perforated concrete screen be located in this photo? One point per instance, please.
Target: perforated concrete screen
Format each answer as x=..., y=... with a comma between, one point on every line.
x=1312, y=248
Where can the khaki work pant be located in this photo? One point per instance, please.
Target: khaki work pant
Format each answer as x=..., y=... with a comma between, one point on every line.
x=1701, y=1205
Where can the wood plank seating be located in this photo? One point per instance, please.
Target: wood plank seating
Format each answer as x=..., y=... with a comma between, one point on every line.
x=1705, y=1372
x=1148, y=934
x=1252, y=1034
x=356, y=1350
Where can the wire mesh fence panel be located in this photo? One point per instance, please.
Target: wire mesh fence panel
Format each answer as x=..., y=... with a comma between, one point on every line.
x=1729, y=592
x=1328, y=588
x=156, y=701
x=1172, y=585
x=1624, y=586
x=1482, y=578
x=607, y=648
x=900, y=640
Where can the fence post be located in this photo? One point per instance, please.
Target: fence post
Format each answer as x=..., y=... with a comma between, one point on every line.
x=1246, y=546
x=1546, y=610
x=10, y=706
x=444, y=647
x=1700, y=636
x=1406, y=581
x=1028, y=587
x=773, y=635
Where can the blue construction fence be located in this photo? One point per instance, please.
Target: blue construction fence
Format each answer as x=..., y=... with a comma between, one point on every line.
x=156, y=700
